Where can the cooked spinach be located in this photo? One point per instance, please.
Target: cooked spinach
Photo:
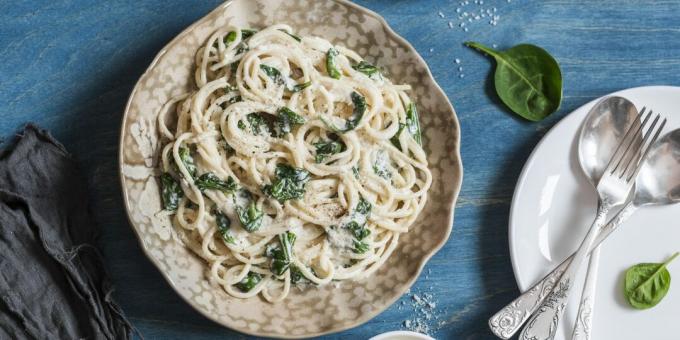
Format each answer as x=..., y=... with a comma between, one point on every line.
x=286, y=119
x=188, y=161
x=528, y=79
x=300, y=87
x=282, y=254
x=247, y=33
x=257, y=123
x=411, y=124
x=646, y=284
x=273, y=73
x=296, y=275
x=249, y=282
x=210, y=181
x=366, y=68
x=327, y=148
x=355, y=171
x=223, y=224
x=360, y=247
x=331, y=67
x=380, y=166
x=363, y=207
x=171, y=192
x=292, y=35
x=250, y=218
x=359, y=103
x=289, y=183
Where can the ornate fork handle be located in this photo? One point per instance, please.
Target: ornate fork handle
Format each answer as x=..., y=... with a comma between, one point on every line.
x=506, y=322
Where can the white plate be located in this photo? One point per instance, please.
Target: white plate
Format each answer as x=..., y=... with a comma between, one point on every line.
x=554, y=204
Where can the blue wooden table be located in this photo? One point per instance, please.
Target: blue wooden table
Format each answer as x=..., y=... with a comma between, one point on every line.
x=70, y=66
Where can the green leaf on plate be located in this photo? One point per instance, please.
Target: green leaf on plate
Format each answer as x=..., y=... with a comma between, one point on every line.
x=646, y=284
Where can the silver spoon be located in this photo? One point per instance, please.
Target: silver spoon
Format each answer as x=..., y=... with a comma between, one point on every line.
x=602, y=131
x=507, y=321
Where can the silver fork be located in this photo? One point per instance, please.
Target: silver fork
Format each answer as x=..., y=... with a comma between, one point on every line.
x=613, y=190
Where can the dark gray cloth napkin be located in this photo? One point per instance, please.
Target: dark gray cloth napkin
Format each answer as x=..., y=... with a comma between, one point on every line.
x=52, y=279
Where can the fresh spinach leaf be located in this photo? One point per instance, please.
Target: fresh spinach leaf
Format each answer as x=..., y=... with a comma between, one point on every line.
x=273, y=73
x=327, y=148
x=331, y=67
x=528, y=79
x=647, y=283
x=289, y=183
x=282, y=254
x=250, y=218
x=249, y=282
x=359, y=103
x=223, y=224
x=210, y=181
x=366, y=68
x=171, y=192
x=188, y=161
x=286, y=119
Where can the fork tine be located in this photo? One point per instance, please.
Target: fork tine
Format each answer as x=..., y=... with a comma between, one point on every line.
x=615, y=160
x=644, y=154
x=636, y=152
x=630, y=156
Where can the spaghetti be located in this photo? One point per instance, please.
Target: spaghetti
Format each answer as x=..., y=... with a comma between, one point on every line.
x=295, y=162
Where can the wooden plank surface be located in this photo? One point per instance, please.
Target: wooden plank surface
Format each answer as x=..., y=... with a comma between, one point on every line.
x=70, y=66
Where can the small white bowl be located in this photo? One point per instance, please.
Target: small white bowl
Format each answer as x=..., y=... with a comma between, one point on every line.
x=401, y=335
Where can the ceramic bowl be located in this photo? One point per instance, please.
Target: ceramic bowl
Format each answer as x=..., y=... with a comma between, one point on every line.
x=315, y=311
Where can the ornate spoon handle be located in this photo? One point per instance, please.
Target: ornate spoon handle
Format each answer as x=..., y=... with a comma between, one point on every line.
x=584, y=318
x=506, y=322
x=543, y=324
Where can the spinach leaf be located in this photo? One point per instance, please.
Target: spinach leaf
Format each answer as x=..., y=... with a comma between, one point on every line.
x=250, y=218
x=223, y=224
x=249, y=282
x=366, y=68
x=528, y=79
x=286, y=119
x=273, y=73
x=230, y=38
x=296, y=275
x=289, y=183
x=247, y=33
x=257, y=123
x=380, y=166
x=300, y=87
x=281, y=256
x=359, y=102
x=332, y=69
x=292, y=35
x=171, y=192
x=210, y=181
x=395, y=139
x=647, y=283
x=360, y=247
x=363, y=207
x=412, y=123
x=188, y=161
x=355, y=171
x=327, y=148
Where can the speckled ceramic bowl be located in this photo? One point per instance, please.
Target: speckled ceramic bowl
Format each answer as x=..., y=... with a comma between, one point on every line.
x=315, y=311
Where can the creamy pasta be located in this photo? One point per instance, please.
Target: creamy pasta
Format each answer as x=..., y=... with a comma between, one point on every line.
x=294, y=162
